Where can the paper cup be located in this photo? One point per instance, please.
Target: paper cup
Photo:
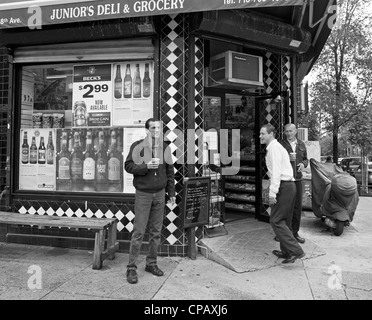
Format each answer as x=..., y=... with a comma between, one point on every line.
x=155, y=161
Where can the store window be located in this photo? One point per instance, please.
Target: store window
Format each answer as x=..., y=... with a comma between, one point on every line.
x=77, y=122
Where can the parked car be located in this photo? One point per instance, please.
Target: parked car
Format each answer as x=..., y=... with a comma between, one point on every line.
x=358, y=174
x=351, y=164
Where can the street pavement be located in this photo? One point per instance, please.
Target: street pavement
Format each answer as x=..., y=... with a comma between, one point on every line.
x=335, y=268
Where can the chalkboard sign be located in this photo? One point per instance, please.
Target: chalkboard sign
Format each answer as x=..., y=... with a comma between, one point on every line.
x=195, y=201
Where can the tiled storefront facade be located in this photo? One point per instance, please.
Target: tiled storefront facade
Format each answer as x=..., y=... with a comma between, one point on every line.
x=181, y=70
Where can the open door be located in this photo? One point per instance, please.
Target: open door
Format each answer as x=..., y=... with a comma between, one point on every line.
x=271, y=109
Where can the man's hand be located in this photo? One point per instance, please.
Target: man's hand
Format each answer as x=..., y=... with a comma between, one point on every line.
x=172, y=201
x=152, y=164
x=272, y=201
x=300, y=167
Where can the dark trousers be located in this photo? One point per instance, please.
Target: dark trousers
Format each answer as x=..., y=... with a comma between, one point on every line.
x=296, y=219
x=148, y=209
x=281, y=218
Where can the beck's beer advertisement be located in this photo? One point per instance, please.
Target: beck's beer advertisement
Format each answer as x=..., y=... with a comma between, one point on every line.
x=92, y=96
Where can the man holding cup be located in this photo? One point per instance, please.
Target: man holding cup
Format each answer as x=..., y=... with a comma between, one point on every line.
x=150, y=162
x=298, y=156
x=281, y=195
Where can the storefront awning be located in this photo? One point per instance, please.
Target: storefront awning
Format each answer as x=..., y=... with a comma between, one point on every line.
x=36, y=13
x=259, y=30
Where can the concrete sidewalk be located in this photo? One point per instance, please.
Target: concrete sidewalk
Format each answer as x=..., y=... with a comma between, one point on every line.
x=334, y=268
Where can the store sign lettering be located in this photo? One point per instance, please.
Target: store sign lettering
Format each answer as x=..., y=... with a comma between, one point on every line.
x=160, y=5
x=34, y=17
x=97, y=78
x=116, y=8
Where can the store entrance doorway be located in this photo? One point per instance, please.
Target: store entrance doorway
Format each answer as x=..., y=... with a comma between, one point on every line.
x=232, y=115
x=246, y=190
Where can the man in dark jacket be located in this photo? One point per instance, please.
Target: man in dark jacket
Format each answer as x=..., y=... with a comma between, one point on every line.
x=150, y=162
x=297, y=151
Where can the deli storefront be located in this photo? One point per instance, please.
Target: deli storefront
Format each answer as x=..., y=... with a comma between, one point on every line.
x=80, y=78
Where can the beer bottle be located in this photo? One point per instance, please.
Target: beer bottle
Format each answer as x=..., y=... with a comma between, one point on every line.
x=25, y=149
x=63, y=160
x=146, y=82
x=128, y=83
x=101, y=160
x=33, y=151
x=114, y=161
x=50, y=149
x=118, y=83
x=76, y=160
x=137, y=83
x=89, y=160
x=70, y=141
x=41, y=151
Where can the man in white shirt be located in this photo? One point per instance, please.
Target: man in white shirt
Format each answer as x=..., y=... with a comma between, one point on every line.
x=281, y=195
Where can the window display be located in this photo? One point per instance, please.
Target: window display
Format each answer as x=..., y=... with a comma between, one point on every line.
x=74, y=119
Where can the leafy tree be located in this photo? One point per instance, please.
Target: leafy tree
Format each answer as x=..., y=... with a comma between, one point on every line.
x=344, y=61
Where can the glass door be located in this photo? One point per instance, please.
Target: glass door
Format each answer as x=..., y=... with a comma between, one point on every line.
x=271, y=110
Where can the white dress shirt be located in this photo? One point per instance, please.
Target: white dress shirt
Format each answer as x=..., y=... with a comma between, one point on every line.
x=278, y=165
x=293, y=144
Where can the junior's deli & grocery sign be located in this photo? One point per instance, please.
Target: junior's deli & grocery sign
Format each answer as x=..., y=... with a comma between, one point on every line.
x=36, y=13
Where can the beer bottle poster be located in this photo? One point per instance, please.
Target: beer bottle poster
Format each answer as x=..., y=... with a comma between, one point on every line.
x=92, y=96
x=37, y=163
x=90, y=160
x=133, y=93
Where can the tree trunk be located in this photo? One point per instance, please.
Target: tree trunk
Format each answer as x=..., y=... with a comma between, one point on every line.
x=335, y=140
x=335, y=118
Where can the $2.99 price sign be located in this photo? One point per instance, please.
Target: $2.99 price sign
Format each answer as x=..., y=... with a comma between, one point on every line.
x=92, y=89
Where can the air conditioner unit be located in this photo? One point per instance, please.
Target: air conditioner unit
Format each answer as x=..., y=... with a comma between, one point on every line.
x=235, y=70
x=303, y=134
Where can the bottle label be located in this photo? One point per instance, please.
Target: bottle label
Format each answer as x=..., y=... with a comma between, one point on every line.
x=101, y=170
x=88, y=169
x=127, y=88
x=76, y=168
x=50, y=156
x=33, y=156
x=25, y=154
x=42, y=155
x=64, y=168
x=137, y=90
x=114, y=169
x=118, y=89
x=146, y=90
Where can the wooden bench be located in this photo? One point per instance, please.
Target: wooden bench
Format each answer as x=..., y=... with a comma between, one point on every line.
x=102, y=227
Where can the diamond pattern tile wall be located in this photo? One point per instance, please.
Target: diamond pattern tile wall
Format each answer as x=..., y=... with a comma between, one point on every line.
x=199, y=96
x=287, y=85
x=121, y=211
x=277, y=77
x=173, y=110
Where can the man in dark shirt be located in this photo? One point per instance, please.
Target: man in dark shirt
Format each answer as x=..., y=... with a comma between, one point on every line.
x=298, y=154
x=150, y=162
